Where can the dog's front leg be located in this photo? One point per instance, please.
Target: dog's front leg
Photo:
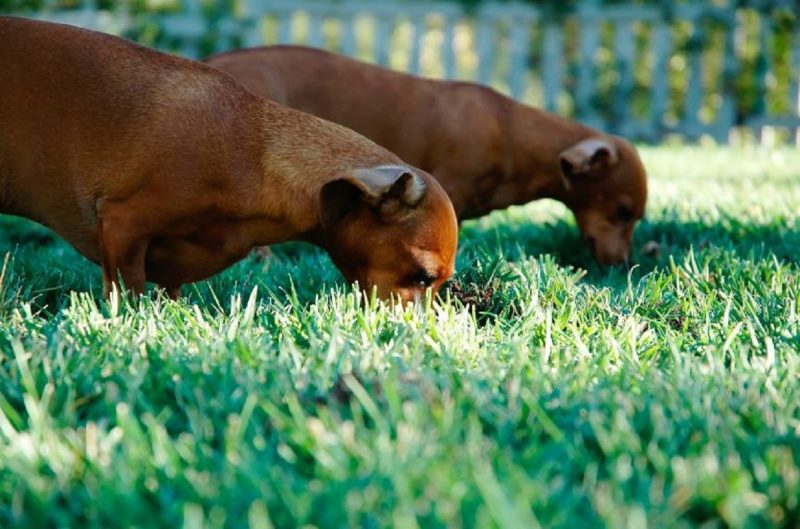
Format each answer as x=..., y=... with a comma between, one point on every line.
x=122, y=255
x=174, y=293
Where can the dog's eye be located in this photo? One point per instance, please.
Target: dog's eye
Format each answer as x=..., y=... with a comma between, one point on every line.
x=625, y=214
x=422, y=278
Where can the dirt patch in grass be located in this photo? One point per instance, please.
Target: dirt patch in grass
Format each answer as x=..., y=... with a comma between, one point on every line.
x=473, y=294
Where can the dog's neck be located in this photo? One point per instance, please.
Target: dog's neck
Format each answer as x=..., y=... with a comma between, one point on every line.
x=536, y=138
x=300, y=154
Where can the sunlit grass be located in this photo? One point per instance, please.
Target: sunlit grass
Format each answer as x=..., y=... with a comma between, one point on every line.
x=542, y=390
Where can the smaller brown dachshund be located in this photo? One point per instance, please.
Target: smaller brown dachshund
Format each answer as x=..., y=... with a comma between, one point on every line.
x=164, y=169
x=487, y=151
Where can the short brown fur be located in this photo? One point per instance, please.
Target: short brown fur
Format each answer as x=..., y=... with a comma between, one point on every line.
x=163, y=169
x=486, y=150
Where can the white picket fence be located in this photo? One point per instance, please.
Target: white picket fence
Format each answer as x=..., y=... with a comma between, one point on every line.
x=628, y=69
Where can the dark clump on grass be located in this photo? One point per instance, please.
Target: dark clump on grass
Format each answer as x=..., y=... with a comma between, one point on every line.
x=478, y=296
x=484, y=285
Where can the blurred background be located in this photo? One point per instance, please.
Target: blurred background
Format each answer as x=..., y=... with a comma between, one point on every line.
x=656, y=71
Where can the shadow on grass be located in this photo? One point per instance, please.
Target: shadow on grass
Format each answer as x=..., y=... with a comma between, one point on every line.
x=44, y=266
x=674, y=238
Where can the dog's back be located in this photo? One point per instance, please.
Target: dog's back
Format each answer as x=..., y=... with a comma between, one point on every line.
x=81, y=117
x=380, y=104
x=37, y=58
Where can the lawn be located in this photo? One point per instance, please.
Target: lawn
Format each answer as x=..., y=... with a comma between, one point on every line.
x=540, y=391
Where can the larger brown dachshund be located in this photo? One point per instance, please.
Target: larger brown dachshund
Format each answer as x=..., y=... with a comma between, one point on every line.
x=163, y=169
x=486, y=150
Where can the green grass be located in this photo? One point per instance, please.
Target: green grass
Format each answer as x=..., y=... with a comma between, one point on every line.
x=560, y=395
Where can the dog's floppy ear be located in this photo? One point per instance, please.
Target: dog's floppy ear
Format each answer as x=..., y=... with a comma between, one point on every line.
x=387, y=189
x=591, y=158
